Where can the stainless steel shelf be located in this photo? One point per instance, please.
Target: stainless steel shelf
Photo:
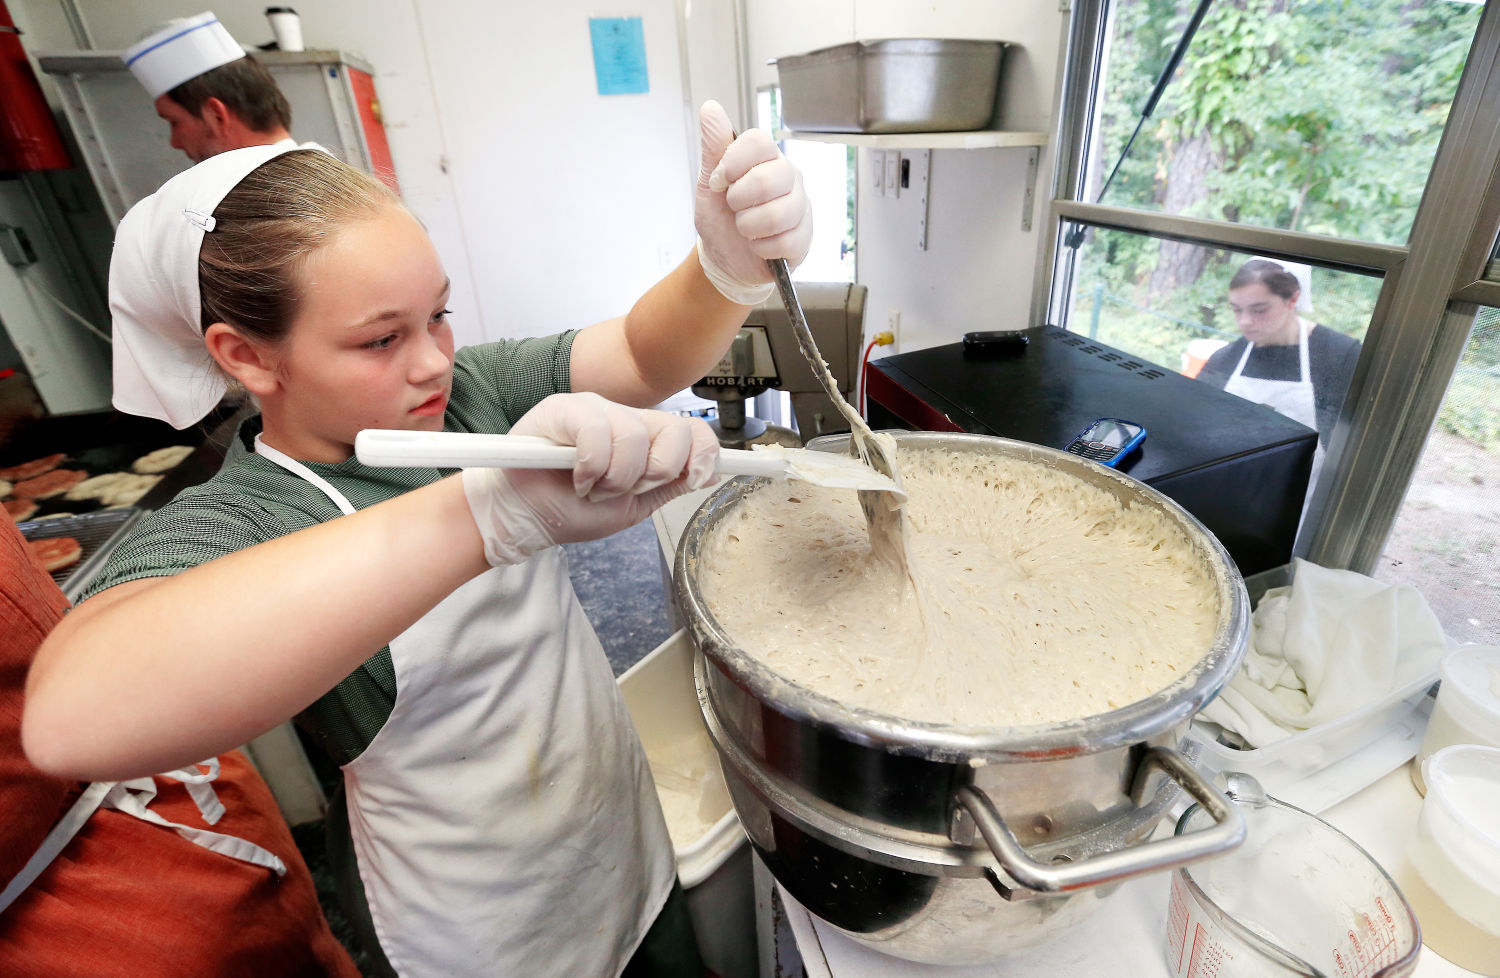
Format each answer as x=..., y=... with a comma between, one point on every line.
x=979, y=139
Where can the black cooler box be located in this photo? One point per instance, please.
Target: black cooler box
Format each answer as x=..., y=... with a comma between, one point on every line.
x=1239, y=467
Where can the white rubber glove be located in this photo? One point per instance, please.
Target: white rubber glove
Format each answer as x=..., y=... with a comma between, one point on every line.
x=749, y=206
x=629, y=463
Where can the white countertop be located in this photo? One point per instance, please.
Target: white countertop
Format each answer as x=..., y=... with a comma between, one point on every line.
x=1125, y=936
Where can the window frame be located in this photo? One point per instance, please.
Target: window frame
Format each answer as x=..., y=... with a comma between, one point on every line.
x=782, y=136
x=1430, y=292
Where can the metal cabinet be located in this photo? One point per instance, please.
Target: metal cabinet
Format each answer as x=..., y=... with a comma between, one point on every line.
x=126, y=146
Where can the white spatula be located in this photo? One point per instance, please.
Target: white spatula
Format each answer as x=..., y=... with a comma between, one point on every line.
x=393, y=448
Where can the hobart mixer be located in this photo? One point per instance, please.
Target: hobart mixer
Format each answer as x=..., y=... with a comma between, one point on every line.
x=764, y=357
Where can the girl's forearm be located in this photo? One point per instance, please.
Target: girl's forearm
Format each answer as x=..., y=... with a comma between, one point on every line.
x=182, y=668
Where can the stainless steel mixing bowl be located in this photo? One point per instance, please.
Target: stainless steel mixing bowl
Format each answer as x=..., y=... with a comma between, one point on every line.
x=952, y=844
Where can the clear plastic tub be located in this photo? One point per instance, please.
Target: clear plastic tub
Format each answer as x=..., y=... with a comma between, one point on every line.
x=1454, y=877
x=1298, y=898
x=1468, y=704
x=1283, y=768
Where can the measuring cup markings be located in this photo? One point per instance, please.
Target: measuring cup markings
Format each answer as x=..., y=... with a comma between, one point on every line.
x=1208, y=955
x=1205, y=955
x=1176, y=924
x=1366, y=959
x=1296, y=886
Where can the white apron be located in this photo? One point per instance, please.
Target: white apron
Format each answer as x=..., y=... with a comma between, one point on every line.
x=1291, y=398
x=504, y=819
x=134, y=798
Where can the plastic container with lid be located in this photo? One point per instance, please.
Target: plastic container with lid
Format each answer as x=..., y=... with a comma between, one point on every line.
x=1468, y=704
x=1454, y=877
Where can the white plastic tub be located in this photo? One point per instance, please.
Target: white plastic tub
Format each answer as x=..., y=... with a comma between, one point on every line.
x=1468, y=704
x=712, y=859
x=1455, y=857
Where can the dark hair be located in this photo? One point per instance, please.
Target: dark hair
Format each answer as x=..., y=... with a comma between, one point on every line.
x=1275, y=278
x=273, y=219
x=245, y=87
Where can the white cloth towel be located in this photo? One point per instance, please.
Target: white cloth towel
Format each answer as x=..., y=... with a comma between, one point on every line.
x=1327, y=645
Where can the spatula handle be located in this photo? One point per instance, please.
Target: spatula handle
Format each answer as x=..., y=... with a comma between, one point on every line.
x=392, y=448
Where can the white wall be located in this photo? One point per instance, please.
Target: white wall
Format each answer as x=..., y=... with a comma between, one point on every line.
x=712, y=38
x=977, y=270
x=551, y=205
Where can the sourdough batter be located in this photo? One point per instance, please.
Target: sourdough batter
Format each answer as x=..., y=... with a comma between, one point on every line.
x=1033, y=597
x=691, y=789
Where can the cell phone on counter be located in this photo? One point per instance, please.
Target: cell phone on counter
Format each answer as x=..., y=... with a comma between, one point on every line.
x=995, y=342
x=1108, y=440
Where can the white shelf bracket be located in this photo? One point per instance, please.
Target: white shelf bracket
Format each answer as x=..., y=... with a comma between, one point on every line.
x=1028, y=200
x=921, y=182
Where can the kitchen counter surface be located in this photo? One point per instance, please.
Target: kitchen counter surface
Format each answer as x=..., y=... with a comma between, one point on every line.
x=1125, y=937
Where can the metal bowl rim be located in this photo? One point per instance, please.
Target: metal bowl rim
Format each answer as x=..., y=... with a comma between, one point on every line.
x=1130, y=724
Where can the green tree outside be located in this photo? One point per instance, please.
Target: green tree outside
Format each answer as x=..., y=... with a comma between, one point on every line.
x=1320, y=116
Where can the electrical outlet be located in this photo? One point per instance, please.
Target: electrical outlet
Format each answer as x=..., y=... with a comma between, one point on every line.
x=893, y=323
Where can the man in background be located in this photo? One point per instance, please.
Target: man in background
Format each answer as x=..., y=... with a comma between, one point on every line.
x=213, y=95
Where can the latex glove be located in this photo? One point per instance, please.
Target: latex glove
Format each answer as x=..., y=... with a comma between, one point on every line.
x=629, y=462
x=749, y=206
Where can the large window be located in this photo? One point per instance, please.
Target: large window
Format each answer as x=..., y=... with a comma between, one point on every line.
x=1320, y=116
x=1182, y=326
x=828, y=171
x=1313, y=133
x=1446, y=541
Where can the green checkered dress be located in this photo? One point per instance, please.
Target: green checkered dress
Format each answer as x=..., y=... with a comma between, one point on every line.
x=252, y=499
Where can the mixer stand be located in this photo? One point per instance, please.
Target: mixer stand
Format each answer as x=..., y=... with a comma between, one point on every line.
x=735, y=429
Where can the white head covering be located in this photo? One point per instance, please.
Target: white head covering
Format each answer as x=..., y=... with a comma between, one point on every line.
x=1302, y=273
x=183, y=49
x=162, y=368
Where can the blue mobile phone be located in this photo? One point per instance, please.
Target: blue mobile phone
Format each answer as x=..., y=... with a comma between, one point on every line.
x=1108, y=440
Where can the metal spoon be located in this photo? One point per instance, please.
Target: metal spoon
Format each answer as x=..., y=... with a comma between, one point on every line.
x=883, y=512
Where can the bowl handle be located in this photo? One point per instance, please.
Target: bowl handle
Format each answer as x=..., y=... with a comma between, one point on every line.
x=1227, y=832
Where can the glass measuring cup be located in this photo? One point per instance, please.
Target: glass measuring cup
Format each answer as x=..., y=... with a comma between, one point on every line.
x=1298, y=898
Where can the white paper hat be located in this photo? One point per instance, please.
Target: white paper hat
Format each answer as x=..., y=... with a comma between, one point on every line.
x=162, y=369
x=183, y=49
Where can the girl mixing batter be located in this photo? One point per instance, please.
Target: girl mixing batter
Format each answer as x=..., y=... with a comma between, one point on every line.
x=419, y=624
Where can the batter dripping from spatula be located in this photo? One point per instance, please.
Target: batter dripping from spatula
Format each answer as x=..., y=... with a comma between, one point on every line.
x=883, y=510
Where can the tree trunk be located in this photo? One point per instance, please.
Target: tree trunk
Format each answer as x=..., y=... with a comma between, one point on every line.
x=1185, y=186
x=1394, y=60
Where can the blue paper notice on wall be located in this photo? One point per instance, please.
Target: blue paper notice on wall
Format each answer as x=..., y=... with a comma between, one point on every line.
x=619, y=55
